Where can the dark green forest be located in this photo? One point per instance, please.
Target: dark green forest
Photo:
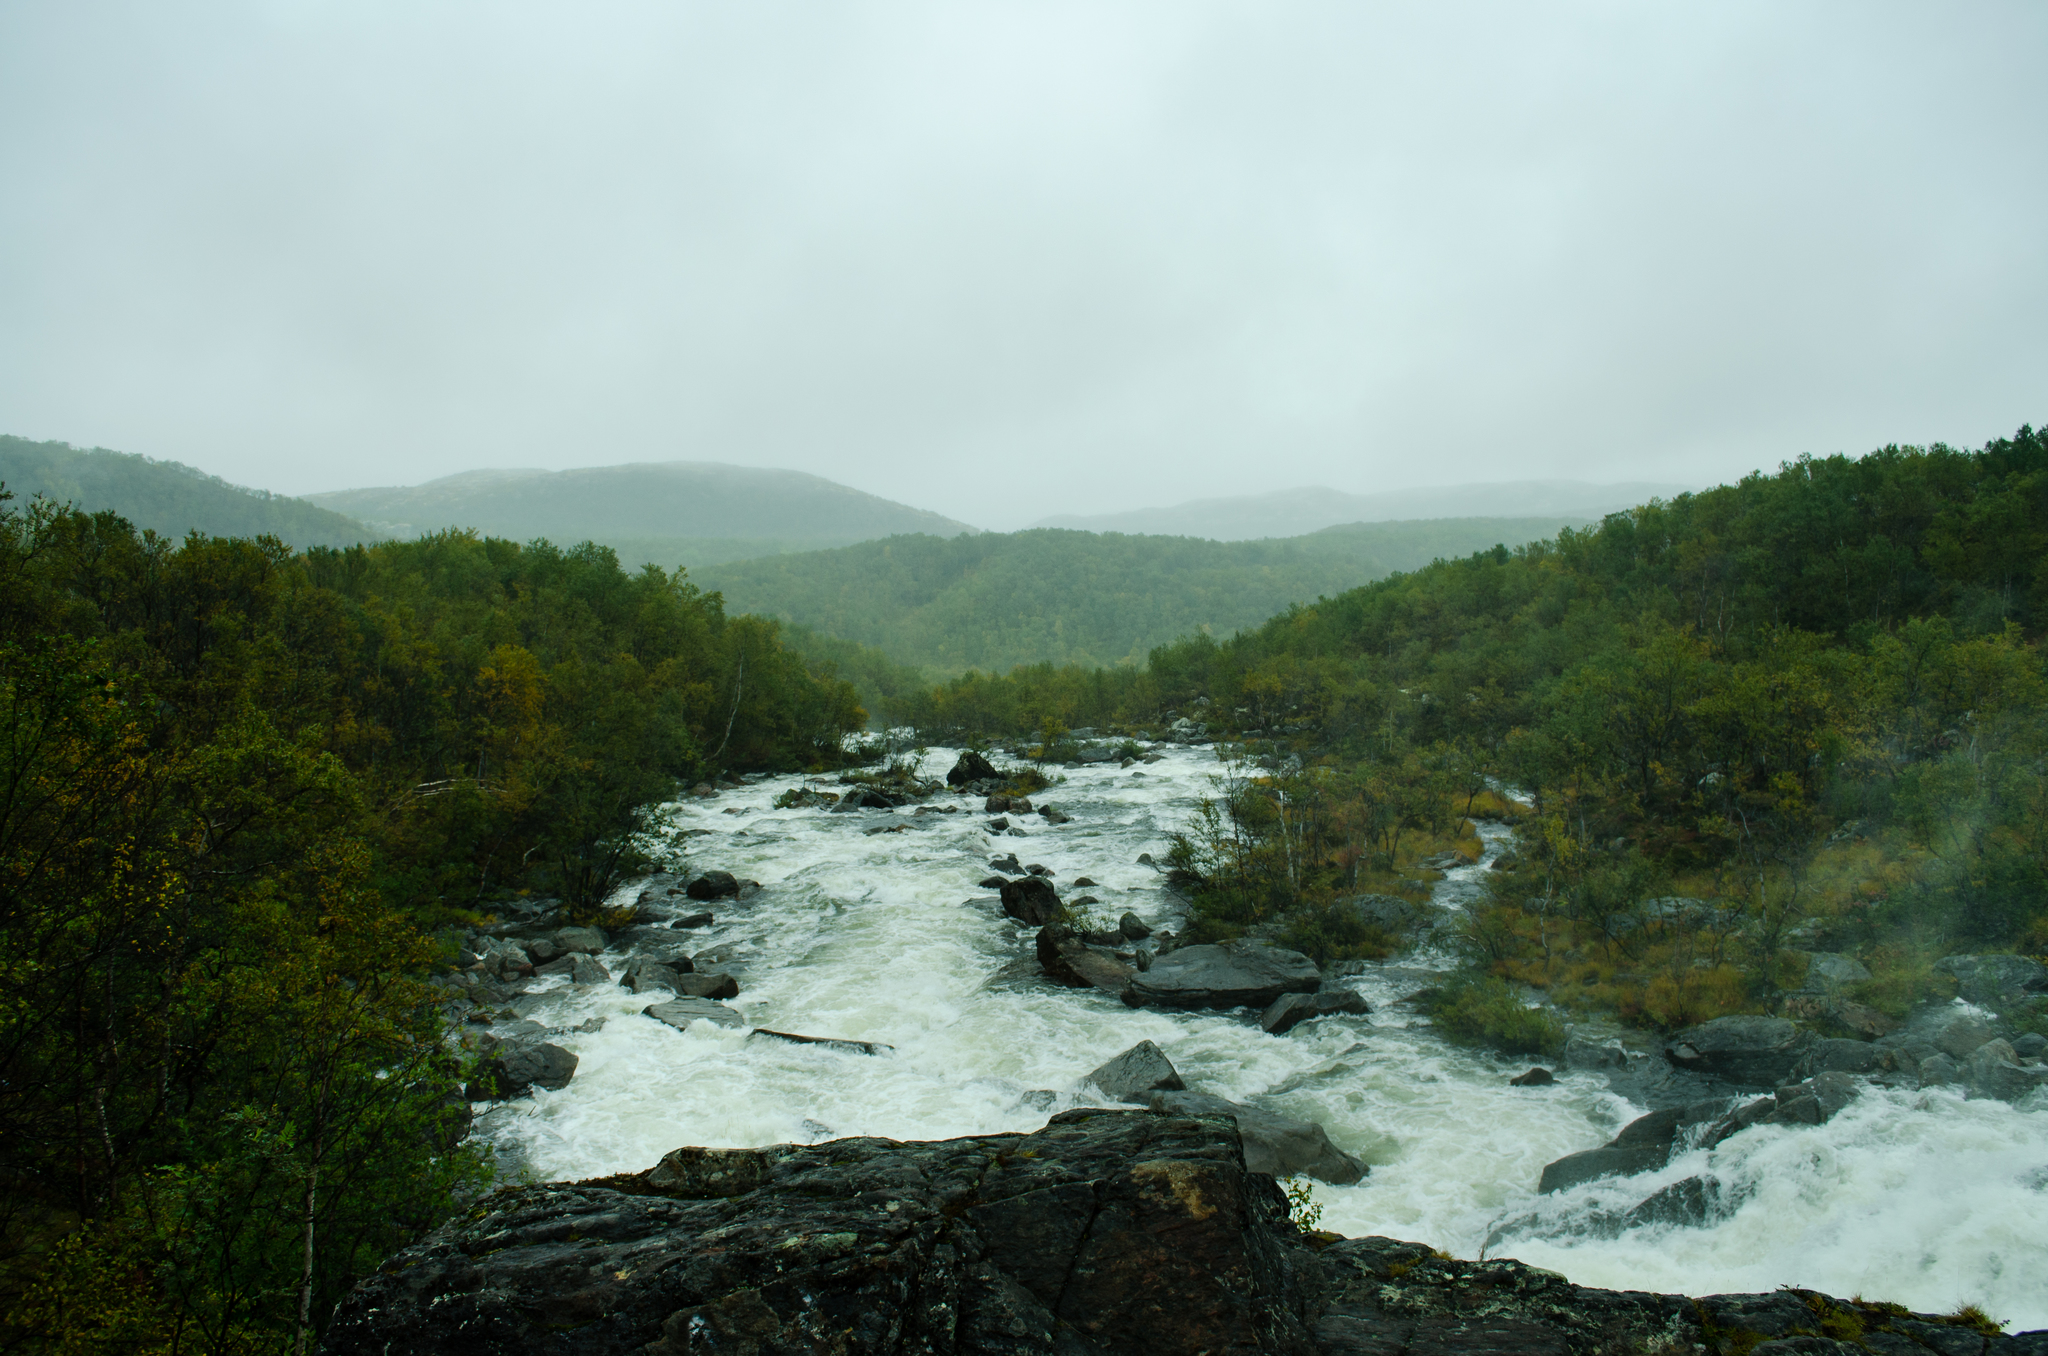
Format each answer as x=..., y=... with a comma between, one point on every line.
x=241, y=787
x=167, y=497
x=1810, y=707
x=992, y=601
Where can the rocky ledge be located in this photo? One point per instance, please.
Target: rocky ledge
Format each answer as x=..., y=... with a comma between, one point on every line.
x=1105, y=1232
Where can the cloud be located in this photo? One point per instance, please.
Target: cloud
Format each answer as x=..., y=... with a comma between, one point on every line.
x=1003, y=260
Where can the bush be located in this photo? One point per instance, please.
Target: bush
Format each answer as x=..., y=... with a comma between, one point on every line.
x=1490, y=1012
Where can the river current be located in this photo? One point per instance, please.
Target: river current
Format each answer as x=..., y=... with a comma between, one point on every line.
x=1920, y=1197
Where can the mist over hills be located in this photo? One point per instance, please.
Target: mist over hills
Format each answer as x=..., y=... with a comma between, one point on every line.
x=664, y=513
x=167, y=497
x=999, y=599
x=1310, y=508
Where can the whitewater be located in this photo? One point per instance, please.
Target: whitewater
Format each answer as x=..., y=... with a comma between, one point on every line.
x=1919, y=1197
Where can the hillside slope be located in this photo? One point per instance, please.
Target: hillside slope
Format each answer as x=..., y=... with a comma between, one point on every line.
x=997, y=600
x=664, y=513
x=1309, y=508
x=166, y=496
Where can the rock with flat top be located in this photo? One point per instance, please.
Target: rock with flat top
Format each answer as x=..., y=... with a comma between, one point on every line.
x=1274, y=1144
x=680, y=1012
x=1750, y=1051
x=1226, y=975
x=1136, y=1074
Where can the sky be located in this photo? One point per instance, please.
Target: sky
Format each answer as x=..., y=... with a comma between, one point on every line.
x=1002, y=260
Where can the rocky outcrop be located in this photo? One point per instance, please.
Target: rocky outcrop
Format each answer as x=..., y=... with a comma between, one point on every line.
x=1107, y=1233
x=1068, y=959
x=1994, y=980
x=1749, y=1051
x=971, y=767
x=1229, y=975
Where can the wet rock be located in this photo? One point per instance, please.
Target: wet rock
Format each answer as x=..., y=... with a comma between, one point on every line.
x=1133, y=927
x=1688, y=1203
x=1031, y=900
x=1145, y=859
x=713, y=885
x=1644, y=1144
x=1994, y=1070
x=1994, y=980
x=695, y=920
x=992, y=882
x=644, y=973
x=1535, y=1078
x=1106, y=1232
x=1136, y=1074
x=971, y=767
x=2031, y=1046
x=829, y=1042
x=1054, y=816
x=996, y=805
x=1957, y=1034
x=1290, y=1010
x=580, y=969
x=706, y=986
x=680, y=1012
x=1827, y=972
x=1228, y=975
x=1750, y=1051
x=1007, y=864
x=1038, y=869
x=998, y=825
x=1069, y=960
x=1938, y=1070
x=1278, y=1145
x=515, y=1068
x=1585, y=1054
x=1840, y=1056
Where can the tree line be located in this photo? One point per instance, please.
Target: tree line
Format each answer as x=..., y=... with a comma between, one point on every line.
x=241, y=787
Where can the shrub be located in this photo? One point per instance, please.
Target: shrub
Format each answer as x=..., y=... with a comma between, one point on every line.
x=1489, y=1011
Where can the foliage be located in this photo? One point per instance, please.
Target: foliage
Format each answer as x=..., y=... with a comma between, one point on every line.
x=1303, y=1209
x=994, y=601
x=238, y=789
x=1489, y=1011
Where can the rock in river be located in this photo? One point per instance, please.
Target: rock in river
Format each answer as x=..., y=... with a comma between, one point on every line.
x=1228, y=975
x=1756, y=1052
x=971, y=767
x=1136, y=1074
x=1291, y=1010
x=516, y=1068
x=680, y=1012
x=1278, y=1145
x=1031, y=900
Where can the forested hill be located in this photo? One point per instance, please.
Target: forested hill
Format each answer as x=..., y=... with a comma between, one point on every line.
x=167, y=497
x=1808, y=712
x=660, y=513
x=996, y=600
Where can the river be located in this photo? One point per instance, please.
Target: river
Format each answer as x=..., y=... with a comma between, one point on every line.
x=1920, y=1197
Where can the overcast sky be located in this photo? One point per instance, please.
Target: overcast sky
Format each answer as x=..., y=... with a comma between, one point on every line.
x=1002, y=260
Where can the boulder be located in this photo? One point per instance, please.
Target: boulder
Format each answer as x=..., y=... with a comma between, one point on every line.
x=1133, y=927
x=971, y=767
x=1031, y=900
x=1994, y=980
x=713, y=885
x=1095, y=754
x=991, y=882
x=1643, y=1145
x=1279, y=1146
x=580, y=969
x=998, y=824
x=1994, y=1070
x=1136, y=1074
x=1535, y=1078
x=645, y=973
x=695, y=920
x=706, y=986
x=680, y=1012
x=1007, y=864
x=1052, y=815
x=996, y=805
x=1069, y=960
x=516, y=1068
x=588, y=941
x=1227, y=975
x=1751, y=1051
x=1290, y=1010
x=1827, y=972
x=1840, y=1056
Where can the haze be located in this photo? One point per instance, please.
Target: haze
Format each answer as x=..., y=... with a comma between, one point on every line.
x=1005, y=261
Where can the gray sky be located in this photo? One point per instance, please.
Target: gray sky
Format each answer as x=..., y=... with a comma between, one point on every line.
x=1004, y=260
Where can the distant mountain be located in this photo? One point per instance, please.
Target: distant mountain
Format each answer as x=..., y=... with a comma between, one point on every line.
x=1000, y=599
x=1290, y=513
x=166, y=496
x=666, y=513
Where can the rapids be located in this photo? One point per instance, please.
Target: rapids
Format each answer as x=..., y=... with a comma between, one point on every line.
x=1922, y=1198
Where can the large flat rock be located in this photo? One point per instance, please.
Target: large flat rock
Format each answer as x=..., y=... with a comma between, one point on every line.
x=1226, y=975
